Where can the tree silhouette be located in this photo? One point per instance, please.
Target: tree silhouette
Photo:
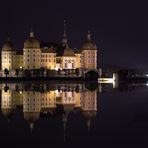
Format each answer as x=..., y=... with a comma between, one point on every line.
x=6, y=72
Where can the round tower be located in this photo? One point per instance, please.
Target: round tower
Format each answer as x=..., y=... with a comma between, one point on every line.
x=89, y=53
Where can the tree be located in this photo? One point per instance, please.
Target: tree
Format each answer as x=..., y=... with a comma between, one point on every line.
x=6, y=72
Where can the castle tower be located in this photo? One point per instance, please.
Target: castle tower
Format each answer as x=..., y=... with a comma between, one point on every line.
x=66, y=58
x=64, y=39
x=8, y=105
x=89, y=53
x=32, y=52
x=89, y=106
x=8, y=56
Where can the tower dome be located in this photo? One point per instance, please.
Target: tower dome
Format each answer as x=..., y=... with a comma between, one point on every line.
x=31, y=42
x=31, y=116
x=89, y=44
x=8, y=46
x=8, y=113
x=68, y=51
x=89, y=114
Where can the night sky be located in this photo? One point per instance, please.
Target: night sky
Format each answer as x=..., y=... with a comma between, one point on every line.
x=120, y=29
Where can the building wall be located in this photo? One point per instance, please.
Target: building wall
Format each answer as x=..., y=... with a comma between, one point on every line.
x=89, y=59
x=8, y=60
x=89, y=101
x=31, y=101
x=7, y=100
x=68, y=62
x=48, y=60
x=48, y=99
x=19, y=62
x=32, y=58
x=78, y=60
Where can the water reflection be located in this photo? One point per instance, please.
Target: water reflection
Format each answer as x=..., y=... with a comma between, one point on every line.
x=39, y=100
x=73, y=111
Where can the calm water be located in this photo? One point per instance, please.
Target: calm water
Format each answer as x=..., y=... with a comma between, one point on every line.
x=76, y=115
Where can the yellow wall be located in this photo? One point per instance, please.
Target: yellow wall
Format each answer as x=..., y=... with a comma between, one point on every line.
x=89, y=59
x=78, y=60
x=8, y=60
x=19, y=62
x=48, y=60
x=32, y=58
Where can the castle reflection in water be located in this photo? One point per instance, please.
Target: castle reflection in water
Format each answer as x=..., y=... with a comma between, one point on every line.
x=41, y=99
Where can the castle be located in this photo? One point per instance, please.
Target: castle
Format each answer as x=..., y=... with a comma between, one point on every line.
x=35, y=55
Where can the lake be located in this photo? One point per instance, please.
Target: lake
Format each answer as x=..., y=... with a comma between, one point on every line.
x=39, y=114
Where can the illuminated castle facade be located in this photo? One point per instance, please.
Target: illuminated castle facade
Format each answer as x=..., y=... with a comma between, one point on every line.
x=36, y=56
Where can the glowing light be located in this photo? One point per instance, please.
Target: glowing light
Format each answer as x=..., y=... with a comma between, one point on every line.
x=21, y=67
x=21, y=92
x=56, y=68
x=56, y=92
x=105, y=80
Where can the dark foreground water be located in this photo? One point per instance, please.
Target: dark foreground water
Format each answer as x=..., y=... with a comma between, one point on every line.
x=73, y=115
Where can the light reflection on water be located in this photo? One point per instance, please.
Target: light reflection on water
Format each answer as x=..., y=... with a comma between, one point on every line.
x=74, y=107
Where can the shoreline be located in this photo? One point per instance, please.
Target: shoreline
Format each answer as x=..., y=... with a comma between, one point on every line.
x=73, y=79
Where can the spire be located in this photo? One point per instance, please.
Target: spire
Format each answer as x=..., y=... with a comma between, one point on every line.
x=64, y=28
x=64, y=40
x=31, y=33
x=31, y=126
x=64, y=125
x=88, y=124
x=88, y=35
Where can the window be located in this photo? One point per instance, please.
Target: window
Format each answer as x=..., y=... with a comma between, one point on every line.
x=65, y=65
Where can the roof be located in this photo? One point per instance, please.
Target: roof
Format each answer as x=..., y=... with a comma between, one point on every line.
x=8, y=112
x=20, y=52
x=65, y=51
x=77, y=51
x=89, y=44
x=8, y=46
x=31, y=116
x=47, y=50
x=89, y=114
x=31, y=42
